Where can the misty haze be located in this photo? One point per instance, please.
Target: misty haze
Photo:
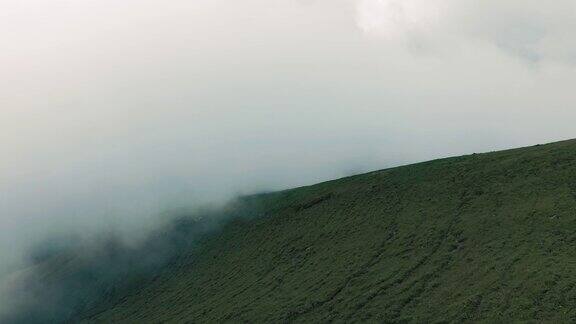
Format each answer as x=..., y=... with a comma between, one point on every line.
x=148, y=146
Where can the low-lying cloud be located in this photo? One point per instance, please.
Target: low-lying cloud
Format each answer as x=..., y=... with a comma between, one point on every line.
x=113, y=112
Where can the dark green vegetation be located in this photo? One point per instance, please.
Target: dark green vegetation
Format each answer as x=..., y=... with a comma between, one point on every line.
x=481, y=237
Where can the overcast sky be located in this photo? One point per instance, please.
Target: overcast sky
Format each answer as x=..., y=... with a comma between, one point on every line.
x=113, y=110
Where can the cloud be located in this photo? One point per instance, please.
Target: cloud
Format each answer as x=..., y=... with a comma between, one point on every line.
x=530, y=30
x=399, y=18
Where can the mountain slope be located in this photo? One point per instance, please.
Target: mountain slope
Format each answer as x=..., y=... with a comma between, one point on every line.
x=479, y=237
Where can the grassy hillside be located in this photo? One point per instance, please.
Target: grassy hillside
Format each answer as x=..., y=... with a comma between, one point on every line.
x=481, y=237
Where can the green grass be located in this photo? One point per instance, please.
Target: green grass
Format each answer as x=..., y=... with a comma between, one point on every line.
x=484, y=237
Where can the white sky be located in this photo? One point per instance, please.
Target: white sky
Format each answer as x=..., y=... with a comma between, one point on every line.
x=113, y=109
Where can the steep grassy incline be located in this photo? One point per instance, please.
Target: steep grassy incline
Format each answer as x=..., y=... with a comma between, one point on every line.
x=480, y=237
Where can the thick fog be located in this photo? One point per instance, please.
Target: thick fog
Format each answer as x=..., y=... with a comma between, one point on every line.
x=112, y=112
